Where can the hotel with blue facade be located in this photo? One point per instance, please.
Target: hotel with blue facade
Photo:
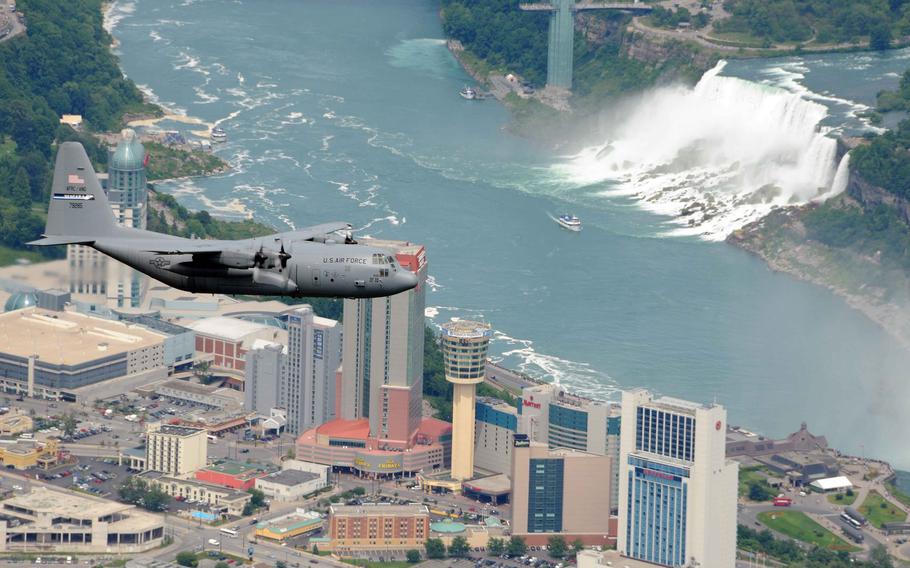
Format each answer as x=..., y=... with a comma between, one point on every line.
x=677, y=489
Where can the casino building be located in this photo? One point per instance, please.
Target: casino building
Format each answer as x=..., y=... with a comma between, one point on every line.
x=48, y=354
x=347, y=444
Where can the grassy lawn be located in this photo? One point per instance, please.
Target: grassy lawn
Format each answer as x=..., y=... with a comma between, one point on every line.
x=799, y=526
x=898, y=494
x=879, y=510
x=842, y=499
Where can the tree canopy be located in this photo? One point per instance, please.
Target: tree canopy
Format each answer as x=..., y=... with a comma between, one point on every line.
x=62, y=66
x=822, y=21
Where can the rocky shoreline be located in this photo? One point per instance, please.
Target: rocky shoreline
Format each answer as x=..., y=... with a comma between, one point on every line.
x=861, y=281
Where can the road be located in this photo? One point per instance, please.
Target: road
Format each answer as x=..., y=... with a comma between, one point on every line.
x=507, y=379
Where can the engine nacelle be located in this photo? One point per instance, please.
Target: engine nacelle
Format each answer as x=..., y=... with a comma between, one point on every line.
x=234, y=259
x=278, y=280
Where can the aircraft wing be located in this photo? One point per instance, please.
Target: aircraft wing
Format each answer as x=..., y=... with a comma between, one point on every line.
x=309, y=233
x=204, y=247
x=192, y=247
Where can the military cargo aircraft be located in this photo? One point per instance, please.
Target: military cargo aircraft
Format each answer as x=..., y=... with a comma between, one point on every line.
x=323, y=260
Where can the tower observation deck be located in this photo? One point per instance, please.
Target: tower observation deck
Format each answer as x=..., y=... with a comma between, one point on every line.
x=464, y=351
x=561, y=42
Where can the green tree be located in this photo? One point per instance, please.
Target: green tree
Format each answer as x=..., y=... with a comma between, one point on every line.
x=577, y=546
x=222, y=564
x=879, y=557
x=413, y=556
x=69, y=424
x=459, y=547
x=516, y=546
x=257, y=498
x=556, y=546
x=359, y=491
x=248, y=509
x=315, y=549
x=759, y=491
x=880, y=37
x=187, y=558
x=155, y=499
x=496, y=546
x=281, y=564
x=435, y=548
x=20, y=191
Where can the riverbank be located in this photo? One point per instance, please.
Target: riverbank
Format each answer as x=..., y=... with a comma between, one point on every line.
x=862, y=281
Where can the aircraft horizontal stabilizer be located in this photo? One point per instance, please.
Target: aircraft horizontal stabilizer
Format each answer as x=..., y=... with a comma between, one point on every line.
x=63, y=240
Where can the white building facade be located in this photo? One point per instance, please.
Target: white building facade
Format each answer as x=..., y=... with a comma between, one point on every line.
x=307, y=387
x=677, y=490
x=264, y=367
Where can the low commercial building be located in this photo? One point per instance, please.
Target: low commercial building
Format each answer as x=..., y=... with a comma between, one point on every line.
x=26, y=454
x=290, y=484
x=46, y=354
x=291, y=525
x=175, y=450
x=801, y=468
x=48, y=520
x=831, y=484
x=195, y=393
x=741, y=442
x=236, y=475
x=354, y=528
x=229, y=501
x=218, y=421
x=16, y=422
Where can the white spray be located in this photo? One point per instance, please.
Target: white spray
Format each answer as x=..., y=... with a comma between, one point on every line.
x=715, y=156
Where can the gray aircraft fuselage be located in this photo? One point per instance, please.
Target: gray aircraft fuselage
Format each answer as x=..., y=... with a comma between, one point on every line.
x=313, y=269
x=315, y=261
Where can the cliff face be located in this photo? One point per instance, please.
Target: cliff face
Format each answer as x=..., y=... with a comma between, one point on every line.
x=869, y=195
x=658, y=50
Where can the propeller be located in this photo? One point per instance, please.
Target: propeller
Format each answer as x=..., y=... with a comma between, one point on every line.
x=283, y=257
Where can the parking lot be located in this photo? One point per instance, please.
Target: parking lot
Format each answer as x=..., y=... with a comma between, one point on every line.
x=96, y=476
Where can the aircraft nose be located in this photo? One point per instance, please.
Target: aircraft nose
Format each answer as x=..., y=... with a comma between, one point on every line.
x=406, y=279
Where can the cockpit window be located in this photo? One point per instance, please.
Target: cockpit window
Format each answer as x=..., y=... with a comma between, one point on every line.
x=379, y=258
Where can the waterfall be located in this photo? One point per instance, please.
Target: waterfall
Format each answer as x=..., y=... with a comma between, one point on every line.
x=715, y=156
x=841, y=177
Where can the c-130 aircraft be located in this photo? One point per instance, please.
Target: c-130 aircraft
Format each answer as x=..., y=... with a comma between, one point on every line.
x=316, y=261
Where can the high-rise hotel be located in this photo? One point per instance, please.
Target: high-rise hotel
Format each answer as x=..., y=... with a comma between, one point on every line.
x=677, y=489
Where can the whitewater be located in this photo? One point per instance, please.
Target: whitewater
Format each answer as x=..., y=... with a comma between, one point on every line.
x=714, y=157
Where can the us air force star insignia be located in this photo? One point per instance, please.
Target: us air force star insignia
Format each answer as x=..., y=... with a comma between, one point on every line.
x=160, y=262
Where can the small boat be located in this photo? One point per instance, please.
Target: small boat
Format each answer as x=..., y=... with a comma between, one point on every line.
x=468, y=93
x=219, y=135
x=570, y=222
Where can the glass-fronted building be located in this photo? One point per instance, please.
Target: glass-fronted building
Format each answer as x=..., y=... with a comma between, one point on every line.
x=677, y=490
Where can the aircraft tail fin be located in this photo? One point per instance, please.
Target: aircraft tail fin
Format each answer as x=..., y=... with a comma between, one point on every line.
x=79, y=211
